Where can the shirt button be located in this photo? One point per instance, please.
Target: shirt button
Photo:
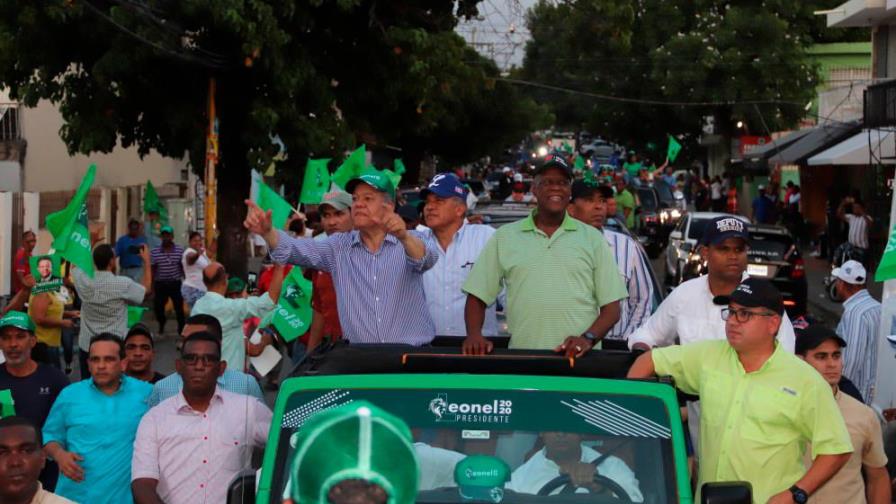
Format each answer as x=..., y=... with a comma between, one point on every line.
x=201, y=485
x=205, y=461
x=205, y=438
x=377, y=298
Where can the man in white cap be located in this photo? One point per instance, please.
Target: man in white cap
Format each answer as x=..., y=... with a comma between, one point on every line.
x=858, y=327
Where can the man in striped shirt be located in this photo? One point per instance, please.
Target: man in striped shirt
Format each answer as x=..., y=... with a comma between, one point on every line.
x=167, y=274
x=858, y=222
x=459, y=246
x=858, y=327
x=377, y=268
x=589, y=205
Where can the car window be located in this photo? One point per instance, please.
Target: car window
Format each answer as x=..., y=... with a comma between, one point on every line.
x=648, y=199
x=664, y=192
x=628, y=435
x=771, y=247
x=698, y=226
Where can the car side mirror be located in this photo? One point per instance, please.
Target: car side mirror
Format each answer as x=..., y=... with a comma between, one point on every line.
x=675, y=235
x=242, y=488
x=728, y=492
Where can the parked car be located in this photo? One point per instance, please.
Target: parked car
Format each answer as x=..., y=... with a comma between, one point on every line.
x=657, y=216
x=773, y=255
x=682, y=260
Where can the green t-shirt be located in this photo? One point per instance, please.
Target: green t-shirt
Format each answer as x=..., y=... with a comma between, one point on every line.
x=624, y=200
x=632, y=168
x=555, y=285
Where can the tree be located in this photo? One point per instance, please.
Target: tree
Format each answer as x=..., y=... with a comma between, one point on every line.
x=744, y=60
x=316, y=74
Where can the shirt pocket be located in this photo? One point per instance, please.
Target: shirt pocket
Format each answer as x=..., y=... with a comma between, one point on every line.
x=715, y=397
x=232, y=451
x=770, y=417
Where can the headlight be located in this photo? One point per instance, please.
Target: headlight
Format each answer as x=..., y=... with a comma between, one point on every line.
x=542, y=151
x=675, y=213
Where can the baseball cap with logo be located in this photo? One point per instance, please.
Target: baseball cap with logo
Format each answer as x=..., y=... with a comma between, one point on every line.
x=851, y=272
x=339, y=200
x=375, y=179
x=721, y=228
x=555, y=161
x=17, y=319
x=754, y=293
x=445, y=185
x=481, y=478
x=354, y=441
x=809, y=338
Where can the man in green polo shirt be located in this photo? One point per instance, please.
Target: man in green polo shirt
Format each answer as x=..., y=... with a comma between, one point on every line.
x=760, y=403
x=563, y=285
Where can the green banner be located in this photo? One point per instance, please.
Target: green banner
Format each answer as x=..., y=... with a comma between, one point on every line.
x=398, y=166
x=673, y=149
x=70, y=228
x=292, y=315
x=7, y=405
x=269, y=199
x=886, y=270
x=46, y=270
x=152, y=203
x=351, y=168
x=316, y=182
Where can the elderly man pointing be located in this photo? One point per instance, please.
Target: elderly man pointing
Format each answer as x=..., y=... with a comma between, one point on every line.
x=377, y=268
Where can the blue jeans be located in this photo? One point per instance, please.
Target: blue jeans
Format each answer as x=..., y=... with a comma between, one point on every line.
x=135, y=273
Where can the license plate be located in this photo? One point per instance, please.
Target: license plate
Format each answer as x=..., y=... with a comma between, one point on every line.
x=759, y=270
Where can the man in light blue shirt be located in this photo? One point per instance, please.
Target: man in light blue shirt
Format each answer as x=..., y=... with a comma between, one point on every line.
x=232, y=380
x=92, y=425
x=232, y=312
x=459, y=245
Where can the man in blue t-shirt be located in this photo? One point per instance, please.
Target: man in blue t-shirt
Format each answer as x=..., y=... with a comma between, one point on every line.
x=34, y=386
x=763, y=208
x=127, y=249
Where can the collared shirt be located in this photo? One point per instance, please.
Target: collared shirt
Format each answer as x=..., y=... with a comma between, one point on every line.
x=194, y=455
x=231, y=313
x=444, y=283
x=636, y=274
x=166, y=263
x=44, y=497
x=858, y=230
x=847, y=484
x=530, y=477
x=231, y=381
x=555, y=285
x=689, y=314
x=104, y=303
x=379, y=294
x=754, y=426
x=126, y=258
x=101, y=429
x=859, y=326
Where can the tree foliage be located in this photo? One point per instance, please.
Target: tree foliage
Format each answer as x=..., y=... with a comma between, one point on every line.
x=317, y=74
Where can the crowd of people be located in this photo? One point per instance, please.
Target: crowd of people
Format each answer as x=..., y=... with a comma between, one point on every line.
x=126, y=433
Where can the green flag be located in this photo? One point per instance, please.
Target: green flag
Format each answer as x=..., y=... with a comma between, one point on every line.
x=268, y=199
x=7, y=405
x=70, y=229
x=579, y=164
x=292, y=315
x=152, y=203
x=673, y=149
x=351, y=168
x=589, y=178
x=395, y=177
x=886, y=270
x=135, y=315
x=316, y=181
x=398, y=166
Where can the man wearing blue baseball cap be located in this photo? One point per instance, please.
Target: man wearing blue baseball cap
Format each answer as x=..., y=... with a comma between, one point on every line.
x=459, y=246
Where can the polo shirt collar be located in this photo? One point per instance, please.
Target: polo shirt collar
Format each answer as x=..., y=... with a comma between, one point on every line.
x=568, y=224
x=771, y=361
x=181, y=405
x=124, y=383
x=356, y=240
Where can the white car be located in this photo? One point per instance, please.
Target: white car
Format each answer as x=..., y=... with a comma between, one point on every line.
x=683, y=242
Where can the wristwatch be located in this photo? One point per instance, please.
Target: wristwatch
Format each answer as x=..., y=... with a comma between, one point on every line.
x=590, y=336
x=799, y=495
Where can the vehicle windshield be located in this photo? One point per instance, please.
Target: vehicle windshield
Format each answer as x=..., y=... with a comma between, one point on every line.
x=768, y=246
x=648, y=200
x=533, y=432
x=665, y=192
x=695, y=232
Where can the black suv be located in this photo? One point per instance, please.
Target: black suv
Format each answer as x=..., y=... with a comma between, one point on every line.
x=774, y=255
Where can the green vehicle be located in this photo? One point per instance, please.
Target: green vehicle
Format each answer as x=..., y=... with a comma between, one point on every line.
x=531, y=410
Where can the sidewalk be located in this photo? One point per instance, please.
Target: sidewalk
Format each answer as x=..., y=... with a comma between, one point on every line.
x=819, y=305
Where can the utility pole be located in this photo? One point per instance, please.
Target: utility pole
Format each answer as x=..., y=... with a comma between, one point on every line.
x=211, y=159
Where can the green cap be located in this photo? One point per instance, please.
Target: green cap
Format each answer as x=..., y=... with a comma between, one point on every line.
x=374, y=178
x=235, y=284
x=166, y=229
x=354, y=441
x=17, y=319
x=481, y=478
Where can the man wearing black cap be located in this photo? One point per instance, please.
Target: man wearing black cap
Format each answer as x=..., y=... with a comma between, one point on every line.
x=821, y=348
x=589, y=205
x=563, y=287
x=760, y=404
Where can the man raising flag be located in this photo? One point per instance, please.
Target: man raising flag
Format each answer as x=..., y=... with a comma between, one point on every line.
x=69, y=227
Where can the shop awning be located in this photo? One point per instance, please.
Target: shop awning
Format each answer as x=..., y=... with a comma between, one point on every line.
x=818, y=139
x=866, y=147
x=758, y=158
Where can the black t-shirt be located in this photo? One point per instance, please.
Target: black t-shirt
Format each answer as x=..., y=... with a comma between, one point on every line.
x=35, y=393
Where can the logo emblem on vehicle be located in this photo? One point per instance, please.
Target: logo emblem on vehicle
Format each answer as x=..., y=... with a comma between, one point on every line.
x=438, y=406
x=496, y=411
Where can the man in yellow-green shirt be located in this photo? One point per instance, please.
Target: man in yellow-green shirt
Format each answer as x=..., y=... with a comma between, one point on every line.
x=563, y=285
x=760, y=404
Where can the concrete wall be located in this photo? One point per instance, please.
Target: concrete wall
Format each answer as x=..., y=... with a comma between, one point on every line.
x=49, y=167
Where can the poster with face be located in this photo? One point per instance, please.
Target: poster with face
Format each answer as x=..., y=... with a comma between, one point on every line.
x=46, y=272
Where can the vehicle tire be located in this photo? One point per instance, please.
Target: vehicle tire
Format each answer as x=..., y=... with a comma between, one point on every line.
x=832, y=293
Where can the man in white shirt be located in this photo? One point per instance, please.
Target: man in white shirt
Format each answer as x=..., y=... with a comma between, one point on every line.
x=693, y=310
x=190, y=446
x=459, y=246
x=564, y=453
x=858, y=222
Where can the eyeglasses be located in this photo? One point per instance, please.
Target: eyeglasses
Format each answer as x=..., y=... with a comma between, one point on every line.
x=743, y=316
x=206, y=359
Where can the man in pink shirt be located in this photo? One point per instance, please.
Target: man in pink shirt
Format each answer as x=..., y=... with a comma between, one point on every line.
x=190, y=446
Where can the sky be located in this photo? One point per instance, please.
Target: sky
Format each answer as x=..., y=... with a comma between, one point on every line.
x=500, y=31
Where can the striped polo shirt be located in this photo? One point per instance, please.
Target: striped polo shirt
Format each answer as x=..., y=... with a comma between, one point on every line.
x=859, y=327
x=166, y=263
x=635, y=310
x=858, y=230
